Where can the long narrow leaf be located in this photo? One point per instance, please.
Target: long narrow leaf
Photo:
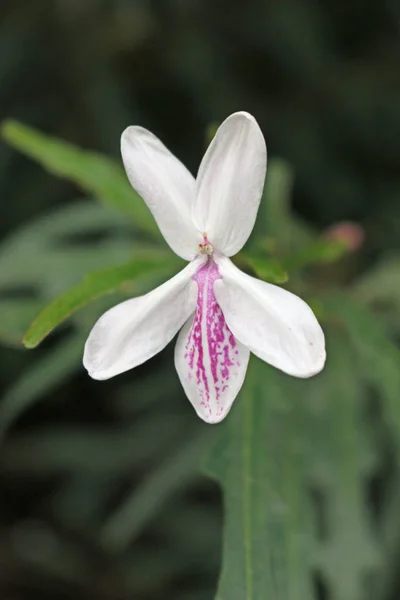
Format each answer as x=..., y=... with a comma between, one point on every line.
x=93, y=286
x=90, y=171
x=347, y=551
x=260, y=461
x=39, y=379
x=377, y=356
x=139, y=507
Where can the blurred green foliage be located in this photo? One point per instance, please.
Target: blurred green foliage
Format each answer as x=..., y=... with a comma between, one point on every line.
x=101, y=493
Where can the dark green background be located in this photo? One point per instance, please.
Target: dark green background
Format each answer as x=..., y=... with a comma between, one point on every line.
x=323, y=80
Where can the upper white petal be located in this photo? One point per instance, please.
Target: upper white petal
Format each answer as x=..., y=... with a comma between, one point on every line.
x=230, y=182
x=274, y=324
x=135, y=330
x=166, y=186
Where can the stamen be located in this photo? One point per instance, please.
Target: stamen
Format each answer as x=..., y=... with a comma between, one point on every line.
x=206, y=247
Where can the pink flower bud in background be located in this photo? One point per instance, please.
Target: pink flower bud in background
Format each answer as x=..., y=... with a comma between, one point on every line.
x=351, y=234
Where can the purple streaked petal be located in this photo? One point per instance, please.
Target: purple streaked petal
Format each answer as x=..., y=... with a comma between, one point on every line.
x=211, y=363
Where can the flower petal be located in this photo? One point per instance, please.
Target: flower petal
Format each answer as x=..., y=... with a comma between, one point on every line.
x=135, y=330
x=274, y=324
x=230, y=182
x=165, y=185
x=211, y=363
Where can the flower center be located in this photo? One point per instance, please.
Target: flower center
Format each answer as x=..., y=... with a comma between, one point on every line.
x=206, y=247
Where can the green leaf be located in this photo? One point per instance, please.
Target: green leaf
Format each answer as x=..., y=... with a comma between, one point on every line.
x=267, y=269
x=381, y=283
x=113, y=453
x=278, y=231
x=347, y=548
x=92, y=172
x=16, y=314
x=378, y=359
x=48, y=372
x=48, y=254
x=94, y=285
x=319, y=252
x=43, y=258
x=260, y=461
x=285, y=440
x=277, y=197
x=139, y=508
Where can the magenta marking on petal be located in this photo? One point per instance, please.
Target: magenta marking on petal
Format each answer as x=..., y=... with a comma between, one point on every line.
x=211, y=349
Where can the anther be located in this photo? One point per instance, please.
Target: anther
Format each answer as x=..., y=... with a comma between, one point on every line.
x=206, y=247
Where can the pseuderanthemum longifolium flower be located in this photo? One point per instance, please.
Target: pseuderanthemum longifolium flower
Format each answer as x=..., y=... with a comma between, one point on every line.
x=222, y=313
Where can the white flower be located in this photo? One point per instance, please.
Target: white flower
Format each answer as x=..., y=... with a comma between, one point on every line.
x=223, y=314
